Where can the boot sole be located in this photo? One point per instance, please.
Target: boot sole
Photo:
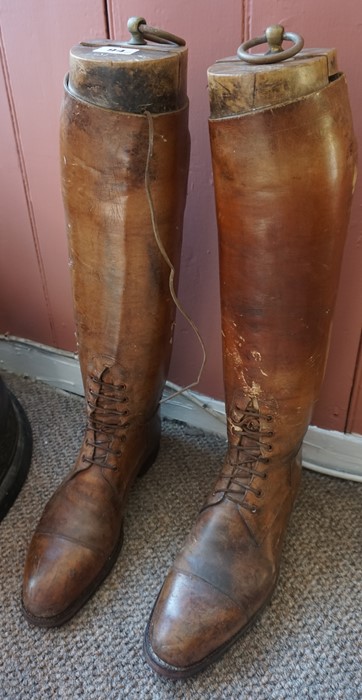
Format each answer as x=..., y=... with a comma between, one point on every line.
x=66, y=615
x=179, y=673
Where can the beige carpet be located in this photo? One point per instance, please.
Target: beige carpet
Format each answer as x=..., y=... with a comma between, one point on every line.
x=307, y=644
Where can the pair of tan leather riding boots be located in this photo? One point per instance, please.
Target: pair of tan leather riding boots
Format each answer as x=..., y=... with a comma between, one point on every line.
x=283, y=158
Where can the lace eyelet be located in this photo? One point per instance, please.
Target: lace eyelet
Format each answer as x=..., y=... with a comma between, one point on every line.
x=253, y=510
x=269, y=418
x=259, y=493
x=269, y=447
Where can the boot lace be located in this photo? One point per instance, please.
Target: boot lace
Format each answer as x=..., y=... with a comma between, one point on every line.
x=104, y=422
x=246, y=428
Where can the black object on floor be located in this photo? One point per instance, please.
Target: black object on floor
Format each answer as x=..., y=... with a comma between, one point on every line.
x=15, y=448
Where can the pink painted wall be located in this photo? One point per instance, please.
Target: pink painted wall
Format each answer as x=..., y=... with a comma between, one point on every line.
x=35, y=40
x=18, y=258
x=35, y=301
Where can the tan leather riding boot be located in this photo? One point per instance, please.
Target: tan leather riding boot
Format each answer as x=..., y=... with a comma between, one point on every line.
x=123, y=306
x=284, y=177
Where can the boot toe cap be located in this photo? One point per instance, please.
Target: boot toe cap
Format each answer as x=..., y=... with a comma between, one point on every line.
x=192, y=624
x=59, y=577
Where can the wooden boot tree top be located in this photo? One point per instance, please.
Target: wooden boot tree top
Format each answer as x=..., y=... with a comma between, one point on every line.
x=238, y=87
x=131, y=76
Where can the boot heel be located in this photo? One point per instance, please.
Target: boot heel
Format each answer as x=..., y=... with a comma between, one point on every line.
x=147, y=464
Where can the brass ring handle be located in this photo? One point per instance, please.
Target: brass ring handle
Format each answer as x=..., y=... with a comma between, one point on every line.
x=274, y=37
x=140, y=30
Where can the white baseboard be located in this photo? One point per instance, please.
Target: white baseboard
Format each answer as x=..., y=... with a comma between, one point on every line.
x=325, y=451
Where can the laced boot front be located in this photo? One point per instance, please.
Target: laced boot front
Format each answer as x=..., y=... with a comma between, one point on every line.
x=80, y=533
x=228, y=568
x=106, y=425
x=240, y=473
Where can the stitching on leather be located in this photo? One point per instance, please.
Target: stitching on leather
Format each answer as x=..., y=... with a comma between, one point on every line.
x=48, y=533
x=190, y=574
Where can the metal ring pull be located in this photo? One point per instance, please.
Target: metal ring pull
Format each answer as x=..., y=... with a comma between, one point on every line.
x=274, y=36
x=140, y=30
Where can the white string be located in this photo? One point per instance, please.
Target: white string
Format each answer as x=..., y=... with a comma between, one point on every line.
x=171, y=279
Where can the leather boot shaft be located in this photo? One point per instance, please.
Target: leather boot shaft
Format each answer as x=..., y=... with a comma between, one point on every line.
x=120, y=280
x=283, y=208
